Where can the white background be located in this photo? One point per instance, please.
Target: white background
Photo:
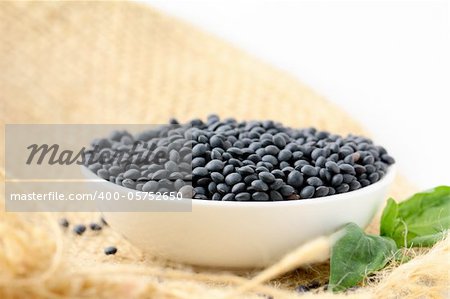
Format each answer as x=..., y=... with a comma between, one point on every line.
x=386, y=63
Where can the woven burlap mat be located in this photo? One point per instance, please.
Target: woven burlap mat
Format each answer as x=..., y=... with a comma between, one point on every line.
x=118, y=62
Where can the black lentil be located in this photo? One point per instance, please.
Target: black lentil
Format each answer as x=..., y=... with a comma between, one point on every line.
x=324, y=174
x=260, y=169
x=260, y=196
x=238, y=188
x=235, y=151
x=355, y=185
x=364, y=182
x=302, y=289
x=314, y=181
x=279, y=141
x=276, y=196
x=171, y=166
x=278, y=174
x=242, y=161
x=270, y=159
x=308, y=287
x=272, y=150
x=217, y=177
x=132, y=174
x=337, y=180
x=368, y=160
x=200, y=190
x=284, y=155
x=321, y=161
x=277, y=184
x=243, y=196
x=348, y=178
x=178, y=184
x=259, y=185
x=228, y=197
x=250, y=178
x=150, y=186
x=246, y=170
x=187, y=191
x=332, y=166
x=129, y=183
x=216, y=196
x=212, y=187
x=233, y=178
x=198, y=162
x=95, y=226
x=331, y=191
x=228, y=169
x=216, y=141
x=321, y=191
x=387, y=159
x=160, y=174
x=373, y=177
x=104, y=174
x=297, y=155
x=266, y=177
x=63, y=222
x=79, y=229
x=214, y=165
x=110, y=250
x=286, y=190
x=343, y=188
x=309, y=170
x=295, y=179
x=307, y=192
x=200, y=171
x=370, y=168
x=223, y=188
x=359, y=169
x=199, y=150
x=347, y=168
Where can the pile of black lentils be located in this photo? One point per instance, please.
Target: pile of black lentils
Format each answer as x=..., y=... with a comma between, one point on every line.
x=243, y=161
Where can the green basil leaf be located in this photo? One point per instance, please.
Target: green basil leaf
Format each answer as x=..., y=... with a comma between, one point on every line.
x=429, y=240
x=355, y=255
x=421, y=220
x=389, y=220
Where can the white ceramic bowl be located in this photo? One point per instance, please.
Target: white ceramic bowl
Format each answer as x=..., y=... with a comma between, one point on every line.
x=243, y=234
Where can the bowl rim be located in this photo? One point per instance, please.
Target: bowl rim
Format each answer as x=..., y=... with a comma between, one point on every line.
x=385, y=181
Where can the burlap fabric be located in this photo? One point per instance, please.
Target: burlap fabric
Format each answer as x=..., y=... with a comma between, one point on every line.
x=118, y=62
